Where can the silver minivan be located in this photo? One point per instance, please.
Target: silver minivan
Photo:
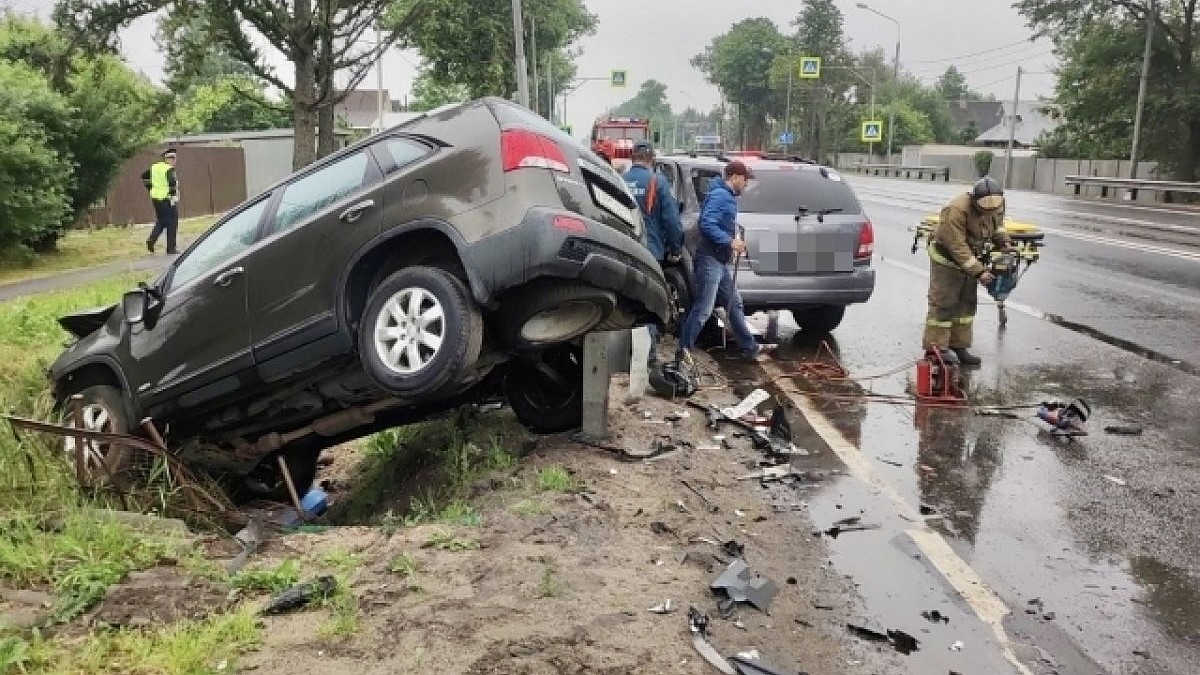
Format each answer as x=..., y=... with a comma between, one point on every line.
x=809, y=241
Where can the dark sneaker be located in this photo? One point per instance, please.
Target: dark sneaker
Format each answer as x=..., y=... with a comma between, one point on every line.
x=150, y=246
x=965, y=357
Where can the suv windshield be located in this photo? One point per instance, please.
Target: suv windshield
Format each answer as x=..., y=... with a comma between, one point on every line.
x=785, y=190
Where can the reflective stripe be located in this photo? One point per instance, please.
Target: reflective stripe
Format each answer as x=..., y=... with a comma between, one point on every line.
x=965, y=320
x=937, y=257
x=934, y=323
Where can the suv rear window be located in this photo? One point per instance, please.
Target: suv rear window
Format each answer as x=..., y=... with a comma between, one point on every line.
x=786, y=190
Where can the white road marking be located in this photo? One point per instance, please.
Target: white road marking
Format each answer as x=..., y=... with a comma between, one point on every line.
x=1018, y=306
x=958, y=573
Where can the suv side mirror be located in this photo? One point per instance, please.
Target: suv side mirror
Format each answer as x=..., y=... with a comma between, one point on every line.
x=133, y=304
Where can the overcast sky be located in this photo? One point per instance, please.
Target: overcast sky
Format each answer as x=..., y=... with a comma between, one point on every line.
x=986, y=39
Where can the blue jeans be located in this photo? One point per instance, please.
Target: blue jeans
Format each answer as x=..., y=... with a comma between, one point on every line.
x=714, y=284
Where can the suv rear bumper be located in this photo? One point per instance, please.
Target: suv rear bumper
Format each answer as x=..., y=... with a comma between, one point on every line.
x=784, y=291
x=600, y=256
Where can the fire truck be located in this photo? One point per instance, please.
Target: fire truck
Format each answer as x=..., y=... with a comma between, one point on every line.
x=615, y=136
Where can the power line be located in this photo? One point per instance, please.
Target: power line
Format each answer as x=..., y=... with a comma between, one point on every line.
x=1006, y=64
x=997, y=59
x=973, y=54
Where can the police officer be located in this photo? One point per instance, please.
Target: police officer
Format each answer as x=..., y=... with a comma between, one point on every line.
x=660, y=214
x=956, y=270
x=160, y=180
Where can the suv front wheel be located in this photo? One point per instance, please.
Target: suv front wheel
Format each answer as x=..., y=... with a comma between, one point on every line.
x=420, y=332
x=103, y=409
x=819, y=320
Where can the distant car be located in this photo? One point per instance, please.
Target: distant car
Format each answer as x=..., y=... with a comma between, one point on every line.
x=463, y=252
x=809, y=241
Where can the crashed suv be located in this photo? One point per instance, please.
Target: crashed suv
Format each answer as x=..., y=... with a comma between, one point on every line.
x=463, y=252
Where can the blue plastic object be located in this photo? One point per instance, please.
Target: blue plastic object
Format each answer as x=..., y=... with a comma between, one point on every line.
x=315, y=502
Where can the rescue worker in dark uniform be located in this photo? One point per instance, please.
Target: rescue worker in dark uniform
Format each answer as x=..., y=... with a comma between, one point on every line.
x=956, y=270
x=660, y=213
x=160, y=180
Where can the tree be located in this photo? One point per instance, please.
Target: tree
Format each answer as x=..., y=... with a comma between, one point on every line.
x=109, y=113
x=319, y=38
x=820, y=32
x=193, y=53
x=739, y=63
x=228, y=103
x=952, y=86
x=427, y=93
x=650, y=102
x=35, y=178
x=1101, y=42
x=470, y=42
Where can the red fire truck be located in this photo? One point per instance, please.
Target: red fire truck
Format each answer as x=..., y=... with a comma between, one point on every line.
x=615, y=136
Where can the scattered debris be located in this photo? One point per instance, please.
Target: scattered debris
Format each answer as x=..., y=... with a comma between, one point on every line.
x=836, y=530
x=773, y=473
x=1049, y=616
x=681, y=506
x=926, y=510
x=698, y=624
x=667, y=607
x=748, y=404
x=935, y=616
x=711, y=506
x=890, y=461
x=300, y=595
x=828, y=608
x=900, y=641
x=957, y=646
x=659, y=527
x=1142, y=653
x=792, y=581
x=741, y=584
x=249, y=538
x=1114, y=479
x=1123, y=429
x=733, y=549
x=753, y=666
x=1045, y=657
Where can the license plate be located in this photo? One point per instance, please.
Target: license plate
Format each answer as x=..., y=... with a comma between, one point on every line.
x=805, y=252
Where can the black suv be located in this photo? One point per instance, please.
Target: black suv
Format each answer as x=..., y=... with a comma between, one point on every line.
x=465, y=251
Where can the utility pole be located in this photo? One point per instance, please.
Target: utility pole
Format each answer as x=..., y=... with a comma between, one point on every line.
x=537, y=99
x=1141, y=99
x=787, y=115
x=379, y=81
x=519, y=51
x=1012, y=130
x=550, y=85
x=871, y=145
x=896, y=82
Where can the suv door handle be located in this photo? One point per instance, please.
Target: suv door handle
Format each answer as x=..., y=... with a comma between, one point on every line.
x=355, y=212
x=225, y=278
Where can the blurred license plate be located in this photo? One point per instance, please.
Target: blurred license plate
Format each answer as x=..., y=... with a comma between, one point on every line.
x=790, y=252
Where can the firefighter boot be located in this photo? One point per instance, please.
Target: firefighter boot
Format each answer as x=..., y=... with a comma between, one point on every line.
x=965, y=357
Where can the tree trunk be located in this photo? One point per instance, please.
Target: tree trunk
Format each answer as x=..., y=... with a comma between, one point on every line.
x=326, y=127
x=304, y=94
x=325, y=84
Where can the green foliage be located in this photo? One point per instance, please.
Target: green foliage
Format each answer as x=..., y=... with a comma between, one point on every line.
x=444, y=541
x=406, y=565
x=952, y=86
x=983, y=162
x=1100, y=45
x=228, y=103
x=470, y=42
x=739, y=63
x=273, y=580
x=650, y=102
x=549, y=586
x=428, y=93
x=555, y=478
x=195, y=55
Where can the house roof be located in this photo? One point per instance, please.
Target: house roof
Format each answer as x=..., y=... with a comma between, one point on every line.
x=235, y=136
x=1032, y=121
x=985, y=114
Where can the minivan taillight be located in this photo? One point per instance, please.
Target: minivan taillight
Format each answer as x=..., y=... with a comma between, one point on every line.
x=523, y=149
x=866, y=240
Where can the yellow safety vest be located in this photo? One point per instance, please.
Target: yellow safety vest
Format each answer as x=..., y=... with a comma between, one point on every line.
x=160, y=188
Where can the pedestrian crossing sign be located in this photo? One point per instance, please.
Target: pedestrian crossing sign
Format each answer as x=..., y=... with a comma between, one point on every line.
x=872, y=131
x=810, y=67
x=617, y=79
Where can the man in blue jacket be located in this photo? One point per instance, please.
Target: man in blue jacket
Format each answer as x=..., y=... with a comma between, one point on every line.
x=660, y=214
x=713, y=281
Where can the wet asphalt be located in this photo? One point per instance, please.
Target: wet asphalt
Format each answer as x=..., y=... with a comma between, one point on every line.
x=1092, y=544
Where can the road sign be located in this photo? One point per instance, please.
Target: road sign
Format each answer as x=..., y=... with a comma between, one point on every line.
x=786, y=137
x=617, y=78
x=872, y=131
x=810, y=67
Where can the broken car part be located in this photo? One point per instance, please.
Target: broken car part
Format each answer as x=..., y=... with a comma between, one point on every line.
x=748, y=666
x=698, y=624
x=711, y=506
x=741, y=584
x=300, y=595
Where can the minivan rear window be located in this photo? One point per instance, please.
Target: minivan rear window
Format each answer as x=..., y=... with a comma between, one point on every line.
x=786, y=190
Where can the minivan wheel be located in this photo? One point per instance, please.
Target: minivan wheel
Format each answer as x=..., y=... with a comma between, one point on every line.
x=819, y=320
x=103, y=409
x=546, y=393
x=681, y=295
x=420, y=333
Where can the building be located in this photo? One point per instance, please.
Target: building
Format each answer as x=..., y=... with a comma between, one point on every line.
x=359, y=111
x=971, y=118
x=1033, y=118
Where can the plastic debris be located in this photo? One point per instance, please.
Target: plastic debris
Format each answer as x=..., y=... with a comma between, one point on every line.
x=1114, y=479
x=741, y=584
x=666, y=607
x=300, y=595
x=957, y=646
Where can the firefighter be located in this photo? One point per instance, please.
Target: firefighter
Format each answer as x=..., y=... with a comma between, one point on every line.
x=160, y=180
x=968, y=222
x=660, y=213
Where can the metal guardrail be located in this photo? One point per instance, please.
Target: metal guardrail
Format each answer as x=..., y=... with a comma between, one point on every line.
x=907, y=171
x=1133, y=185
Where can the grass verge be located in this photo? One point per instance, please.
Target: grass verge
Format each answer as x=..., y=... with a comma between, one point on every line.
x=88, y=248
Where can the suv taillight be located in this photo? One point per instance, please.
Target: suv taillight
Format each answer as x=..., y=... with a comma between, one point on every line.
x=866, y=240
x=523, y=149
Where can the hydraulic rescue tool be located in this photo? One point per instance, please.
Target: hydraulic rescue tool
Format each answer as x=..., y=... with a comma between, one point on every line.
x=1006, y=265
x=1066, y=419
x=939, y=378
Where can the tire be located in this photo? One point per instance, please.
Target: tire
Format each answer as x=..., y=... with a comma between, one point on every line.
x=541, y=404
x=819, y=320
x=585, y=306
x=266, y=481
x=681, y=295
x=104, y=409
x=405, y=363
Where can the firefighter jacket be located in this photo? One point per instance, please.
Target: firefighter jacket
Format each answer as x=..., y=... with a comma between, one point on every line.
x=959, y=237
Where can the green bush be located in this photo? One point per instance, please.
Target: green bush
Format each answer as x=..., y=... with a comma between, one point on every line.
x=983, y=162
